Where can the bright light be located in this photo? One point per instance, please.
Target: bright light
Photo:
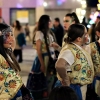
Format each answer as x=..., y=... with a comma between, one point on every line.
x=19, y=5
x=84, y=5
x=83, y=12
x=83, y=2
x=88, y=26
x=98, y=6
x=78, y=0
x=82, y=17
x=45, y=4
x=99, y=1
x=91, y=22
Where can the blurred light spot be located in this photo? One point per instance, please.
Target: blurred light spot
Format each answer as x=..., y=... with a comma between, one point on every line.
x=19, y=6
x=45, y=4
x=88, y=26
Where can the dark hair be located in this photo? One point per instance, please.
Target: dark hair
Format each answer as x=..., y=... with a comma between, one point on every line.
x=97, y=28
x=98, y=17
x=43, y=26
x=73, y=16
x=63, y=93
x=57, y=19
x=4, y=51
x=18, y=25
x=75, y=31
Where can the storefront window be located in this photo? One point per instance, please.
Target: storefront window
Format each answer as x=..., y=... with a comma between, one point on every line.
x=24, y=15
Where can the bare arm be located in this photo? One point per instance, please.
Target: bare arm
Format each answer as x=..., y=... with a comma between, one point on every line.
x=61, y=67
x=39, y=52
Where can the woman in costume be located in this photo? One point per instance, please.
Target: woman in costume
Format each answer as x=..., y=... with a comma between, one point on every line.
x=43, y=39
x=94, y=50
x=11, y=85
x=74, y=65
x=10, y=81
x=69, y=19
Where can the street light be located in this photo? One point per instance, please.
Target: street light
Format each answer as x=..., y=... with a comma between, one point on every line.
x=98, y=5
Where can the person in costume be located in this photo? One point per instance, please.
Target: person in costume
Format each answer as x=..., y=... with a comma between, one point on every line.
x=10, y=80
x=74, y=64
x=43, y=40
x=11, y=85
x=94, y=50
x=70, y=18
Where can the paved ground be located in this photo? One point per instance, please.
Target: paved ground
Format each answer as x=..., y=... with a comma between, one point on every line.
x=28, y=57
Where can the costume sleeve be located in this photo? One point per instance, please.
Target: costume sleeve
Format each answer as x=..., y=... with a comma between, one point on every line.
x=39, y=35
x=10, y=81
x=68, y=56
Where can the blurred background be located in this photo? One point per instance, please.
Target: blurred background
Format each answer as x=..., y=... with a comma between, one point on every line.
x=29, y=11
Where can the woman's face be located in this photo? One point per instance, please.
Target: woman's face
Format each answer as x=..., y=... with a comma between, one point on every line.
x=9, y=41
x=85, y=37
x=50, y=23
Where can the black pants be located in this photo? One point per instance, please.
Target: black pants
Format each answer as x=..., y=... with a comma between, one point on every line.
x=18, y=53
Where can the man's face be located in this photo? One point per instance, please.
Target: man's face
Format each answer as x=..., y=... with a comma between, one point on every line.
x=55, y=23
x=67, y=22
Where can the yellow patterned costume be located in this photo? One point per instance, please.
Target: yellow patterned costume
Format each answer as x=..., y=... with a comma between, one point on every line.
x=82, y=72
x=10, y=81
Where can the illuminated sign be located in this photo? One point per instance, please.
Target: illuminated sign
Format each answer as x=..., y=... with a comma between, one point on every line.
x=22, y=16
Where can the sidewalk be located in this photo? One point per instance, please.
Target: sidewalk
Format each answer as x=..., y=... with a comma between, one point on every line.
x=28, y=58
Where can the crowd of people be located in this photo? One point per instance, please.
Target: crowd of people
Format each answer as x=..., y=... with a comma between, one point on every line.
x=66, y=66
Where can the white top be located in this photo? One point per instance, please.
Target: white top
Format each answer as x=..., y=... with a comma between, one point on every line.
x=69, y=57
x=39, y=35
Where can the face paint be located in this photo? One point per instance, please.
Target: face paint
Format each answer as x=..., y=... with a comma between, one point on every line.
x=6, y=33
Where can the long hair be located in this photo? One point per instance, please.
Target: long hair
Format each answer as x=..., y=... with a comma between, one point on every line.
x=18, y=25
x=4, y=51
x=43, y=26
x=75, y=18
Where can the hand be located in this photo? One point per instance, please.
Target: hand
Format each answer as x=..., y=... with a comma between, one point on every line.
x=42, y=68
x=65, y=83
x=54, y=45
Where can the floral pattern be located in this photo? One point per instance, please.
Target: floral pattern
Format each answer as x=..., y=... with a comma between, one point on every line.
x=82, y=72
x=77, y=67
x=95, y=57
x=10, y=81
x=4, y=65
x=2, y=76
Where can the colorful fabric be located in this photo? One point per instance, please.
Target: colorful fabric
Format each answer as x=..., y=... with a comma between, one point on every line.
x=10, y=81
x=95, y=56
x=82, y=72
x=19, y=94
x=96, y=85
